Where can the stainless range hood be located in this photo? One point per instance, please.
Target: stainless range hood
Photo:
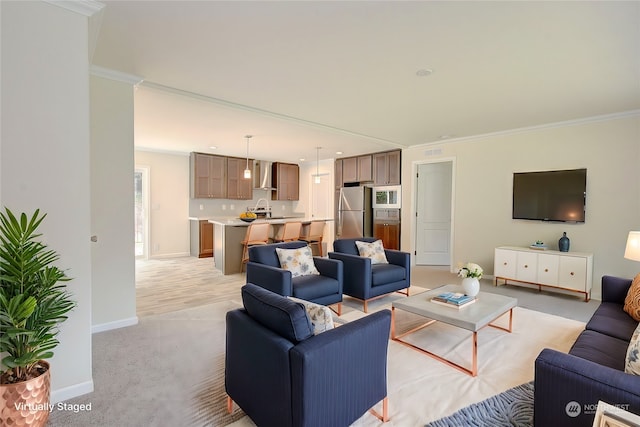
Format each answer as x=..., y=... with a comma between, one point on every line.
x=262, y=175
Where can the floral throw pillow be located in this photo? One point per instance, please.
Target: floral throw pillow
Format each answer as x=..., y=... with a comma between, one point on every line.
x=632, y=301
x=632, y=362
x=319, y=315
x=373, y=250
x=298, y=261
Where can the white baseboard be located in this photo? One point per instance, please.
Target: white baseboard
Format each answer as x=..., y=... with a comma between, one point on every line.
x=71, y=392
x=173, y=255
x=123, y=323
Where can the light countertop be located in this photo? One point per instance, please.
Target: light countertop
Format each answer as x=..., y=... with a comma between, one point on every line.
x=237, y=222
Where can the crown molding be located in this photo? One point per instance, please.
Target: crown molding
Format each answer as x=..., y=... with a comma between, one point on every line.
x=575, y=122
x=110, y=74
x=83, y=7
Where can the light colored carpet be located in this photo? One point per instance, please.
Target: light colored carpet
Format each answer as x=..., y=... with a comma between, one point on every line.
x=168, y=370
x=422, y=390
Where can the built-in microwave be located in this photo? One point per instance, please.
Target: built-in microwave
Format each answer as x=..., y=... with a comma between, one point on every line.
x=389, y=196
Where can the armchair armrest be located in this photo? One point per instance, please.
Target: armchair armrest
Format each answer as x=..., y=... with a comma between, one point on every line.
x=274, y=279
x=400, y=258
x=357, y=273
x=329, y=267
x=614, y=289
x=562, y=378
x=349, y=363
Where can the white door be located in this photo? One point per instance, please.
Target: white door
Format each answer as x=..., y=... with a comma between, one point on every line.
x=433, y=213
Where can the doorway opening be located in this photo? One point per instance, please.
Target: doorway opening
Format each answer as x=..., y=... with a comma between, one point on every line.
x=141, y=220
x=434, y=213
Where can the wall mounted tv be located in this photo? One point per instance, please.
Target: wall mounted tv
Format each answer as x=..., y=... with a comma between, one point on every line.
x=550, y=195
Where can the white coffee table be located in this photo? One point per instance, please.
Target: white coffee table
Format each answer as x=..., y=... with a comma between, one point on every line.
x=487, y=308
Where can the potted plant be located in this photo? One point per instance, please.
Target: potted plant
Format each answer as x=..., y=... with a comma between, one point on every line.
x=33, y=303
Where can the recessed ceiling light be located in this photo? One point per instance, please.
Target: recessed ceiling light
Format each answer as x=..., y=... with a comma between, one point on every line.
x=213, y=147
x=423, y=72
x=338, y=152
x=302, y=159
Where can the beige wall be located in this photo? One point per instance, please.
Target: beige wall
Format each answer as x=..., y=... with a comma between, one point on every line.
x=484, y=166
x=46, y=161
x=169, y=203
x=112, y=256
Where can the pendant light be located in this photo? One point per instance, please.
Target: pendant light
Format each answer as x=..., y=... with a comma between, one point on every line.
x=317, y=178
x=247, y=171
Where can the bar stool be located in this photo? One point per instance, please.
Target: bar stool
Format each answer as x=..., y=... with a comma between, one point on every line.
x=257, y=234
x=290, y=232
x=315, y=234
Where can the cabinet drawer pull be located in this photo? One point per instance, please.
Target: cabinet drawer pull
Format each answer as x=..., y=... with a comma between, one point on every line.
x=571, y=273
x=546, y=270
x=526, y=266
x=504, y=263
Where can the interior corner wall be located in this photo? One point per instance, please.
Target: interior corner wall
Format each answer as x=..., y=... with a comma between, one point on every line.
x=483, y=179
x=45, y=158
x=169, y=234
x=112, y=205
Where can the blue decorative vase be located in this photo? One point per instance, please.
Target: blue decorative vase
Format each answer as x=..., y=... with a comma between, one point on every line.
x=563, y=243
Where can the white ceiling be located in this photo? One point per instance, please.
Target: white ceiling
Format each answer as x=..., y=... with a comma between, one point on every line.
x=344, y=75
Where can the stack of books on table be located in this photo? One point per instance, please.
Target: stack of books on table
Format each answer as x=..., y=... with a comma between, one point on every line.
x=453, y=299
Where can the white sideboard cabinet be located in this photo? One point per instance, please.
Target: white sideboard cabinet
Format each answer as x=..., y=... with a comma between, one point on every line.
x=570, y=271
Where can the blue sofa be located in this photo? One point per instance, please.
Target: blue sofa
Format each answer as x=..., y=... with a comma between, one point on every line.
x=281, y=374
x=568, y=386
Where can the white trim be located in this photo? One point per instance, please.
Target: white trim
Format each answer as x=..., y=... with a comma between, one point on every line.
x=174, y=255
x=83, y=7
x=119, y=76
x=70, y=392
x=575, y=122
x=117, y=324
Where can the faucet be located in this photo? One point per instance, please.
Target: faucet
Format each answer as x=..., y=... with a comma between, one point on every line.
x=258, y=203
x=267, y=210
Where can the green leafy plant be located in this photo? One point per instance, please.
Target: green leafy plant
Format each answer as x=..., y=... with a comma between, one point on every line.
x=33, y=298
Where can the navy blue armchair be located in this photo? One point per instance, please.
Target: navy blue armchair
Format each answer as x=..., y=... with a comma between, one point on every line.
x=281, y=374
x=365, y=281
x=263, y=269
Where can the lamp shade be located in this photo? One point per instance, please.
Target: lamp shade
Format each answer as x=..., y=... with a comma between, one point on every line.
x=632, y=250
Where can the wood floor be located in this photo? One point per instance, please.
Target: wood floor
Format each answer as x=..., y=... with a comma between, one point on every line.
x=166, y=285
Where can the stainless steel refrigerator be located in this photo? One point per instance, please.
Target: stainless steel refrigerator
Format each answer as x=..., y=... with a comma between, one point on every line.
x=354, y=213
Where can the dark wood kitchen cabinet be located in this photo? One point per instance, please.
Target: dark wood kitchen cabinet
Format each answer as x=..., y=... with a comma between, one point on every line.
x=239, y=187
x=386, y=168
x=208, y=176
x=286, y=178
x=201, y=238
x=357, y=169
x=386, y=227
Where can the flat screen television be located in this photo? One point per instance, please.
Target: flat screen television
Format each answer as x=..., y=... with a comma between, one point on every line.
x=550, y=195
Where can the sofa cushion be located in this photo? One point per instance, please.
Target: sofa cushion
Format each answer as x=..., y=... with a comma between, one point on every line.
x=601, y=349
x=610, y=319
x=285, y=317
x=632, y=361
x=383, y=274
x=319, y=315
x=348, y=246
x=298, y=261
x=632, y=301
x=373, y=250
x=266, y=254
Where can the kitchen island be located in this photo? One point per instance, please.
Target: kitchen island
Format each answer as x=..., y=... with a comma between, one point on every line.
x=230, y=232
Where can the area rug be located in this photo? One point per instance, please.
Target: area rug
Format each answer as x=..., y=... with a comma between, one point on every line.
x=513, y=407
